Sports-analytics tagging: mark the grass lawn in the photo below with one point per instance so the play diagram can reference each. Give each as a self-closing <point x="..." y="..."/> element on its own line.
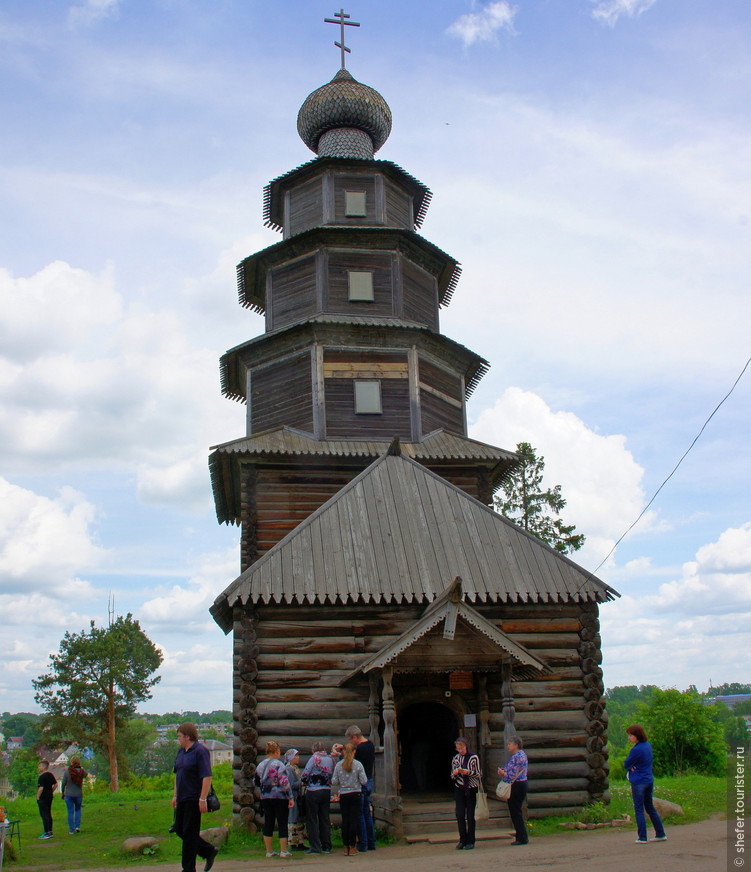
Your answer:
<point x="700" y="796"/>
<point x="108" y="819"/>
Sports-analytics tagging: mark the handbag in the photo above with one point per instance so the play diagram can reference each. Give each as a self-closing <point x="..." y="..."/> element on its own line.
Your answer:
<point x="503" y="790"/>
<point x="212" y="801"/>
<point x="481" y="808"/>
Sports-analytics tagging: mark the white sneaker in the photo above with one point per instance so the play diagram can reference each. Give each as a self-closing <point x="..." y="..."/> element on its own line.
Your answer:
<point x="286" y="854"/>
<point x="271" y="854"/>
<point x="659" y="839"/>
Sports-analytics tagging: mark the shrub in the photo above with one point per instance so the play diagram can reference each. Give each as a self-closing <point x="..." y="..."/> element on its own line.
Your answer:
<point x="684" y="734"/>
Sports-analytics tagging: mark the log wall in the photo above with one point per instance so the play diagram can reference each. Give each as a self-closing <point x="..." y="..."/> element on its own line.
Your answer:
<point x="289" y="661"/>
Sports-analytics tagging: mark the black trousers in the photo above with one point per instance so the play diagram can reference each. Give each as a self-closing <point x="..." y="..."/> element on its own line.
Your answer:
<point x="350" y="804"/>
<point x="188" y="827"/>
<point x="465" y="814"/>
<point x="45" y="810"/>
<point x="275" y="810"/>
<point x="317" y="804"/>
<point x="515" y="803"/>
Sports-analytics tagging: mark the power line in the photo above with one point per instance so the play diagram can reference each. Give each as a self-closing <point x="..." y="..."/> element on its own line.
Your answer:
<point x="673" y="471"/>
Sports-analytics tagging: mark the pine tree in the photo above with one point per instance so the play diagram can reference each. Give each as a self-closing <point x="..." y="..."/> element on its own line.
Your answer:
<point x="95" y="683"/>
<point x="523" y="501"/>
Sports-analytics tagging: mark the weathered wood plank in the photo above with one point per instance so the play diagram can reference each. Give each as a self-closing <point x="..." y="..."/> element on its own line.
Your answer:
<point x="311" y="711"/>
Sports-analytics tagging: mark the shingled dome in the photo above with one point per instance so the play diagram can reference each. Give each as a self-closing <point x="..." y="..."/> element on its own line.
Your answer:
<point x="344" y="118"/>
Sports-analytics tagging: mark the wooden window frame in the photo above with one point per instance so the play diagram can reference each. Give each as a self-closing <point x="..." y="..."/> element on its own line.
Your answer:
<point x="365" y="293"/>
<point x="352" y="207"/>
<point x="362" y="398"/>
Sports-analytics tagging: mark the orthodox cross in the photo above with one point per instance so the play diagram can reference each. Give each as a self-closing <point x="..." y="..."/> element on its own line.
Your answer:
<point x="341" y="15"/>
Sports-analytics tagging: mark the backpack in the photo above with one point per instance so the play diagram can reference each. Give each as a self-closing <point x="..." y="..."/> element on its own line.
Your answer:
<point x="272" y="776"/>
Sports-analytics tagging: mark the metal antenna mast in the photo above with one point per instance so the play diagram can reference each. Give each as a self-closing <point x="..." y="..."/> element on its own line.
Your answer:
<point x="339" y="18"/>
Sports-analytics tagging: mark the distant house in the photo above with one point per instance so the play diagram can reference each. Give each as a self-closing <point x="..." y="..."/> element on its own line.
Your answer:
<point x="15" y="743"/>
<point x="220" y="752"/>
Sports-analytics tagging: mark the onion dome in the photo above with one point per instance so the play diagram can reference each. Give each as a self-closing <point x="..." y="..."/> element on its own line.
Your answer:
<point x="344" y="118"/>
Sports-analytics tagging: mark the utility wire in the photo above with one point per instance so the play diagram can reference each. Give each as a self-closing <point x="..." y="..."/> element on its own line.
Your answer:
<point x="673" y="471"/>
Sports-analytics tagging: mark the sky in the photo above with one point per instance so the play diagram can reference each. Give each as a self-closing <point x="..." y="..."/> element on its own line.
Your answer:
<point x="590" y="162"/>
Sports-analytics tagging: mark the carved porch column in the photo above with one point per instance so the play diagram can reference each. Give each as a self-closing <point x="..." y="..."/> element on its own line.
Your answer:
<point x="507" y="702"/>
<point x="374" y="713"/>
<point x="391" y="786"/>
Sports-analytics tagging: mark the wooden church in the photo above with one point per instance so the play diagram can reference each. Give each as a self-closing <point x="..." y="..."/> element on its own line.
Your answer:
<point x="377" y="586"/>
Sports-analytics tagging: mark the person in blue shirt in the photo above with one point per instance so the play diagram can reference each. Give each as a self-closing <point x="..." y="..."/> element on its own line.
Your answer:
<point x="515" y="773"/>
<point x="638" y="767"/>
<point x="192" y="785"/>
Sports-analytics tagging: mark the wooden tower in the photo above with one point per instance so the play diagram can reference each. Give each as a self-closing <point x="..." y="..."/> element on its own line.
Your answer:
<point x="377" y="586"/>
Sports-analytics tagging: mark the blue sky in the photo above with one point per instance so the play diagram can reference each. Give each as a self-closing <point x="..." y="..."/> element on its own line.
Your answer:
<point x="590" y="164"/>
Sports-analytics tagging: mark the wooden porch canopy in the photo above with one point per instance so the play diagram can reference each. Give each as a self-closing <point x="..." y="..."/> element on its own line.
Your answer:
<point x="468" y="640"/>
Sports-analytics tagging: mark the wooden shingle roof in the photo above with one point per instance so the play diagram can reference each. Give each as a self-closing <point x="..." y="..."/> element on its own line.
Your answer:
<point x="439" y="446"/>
<point x="398" y="533"/>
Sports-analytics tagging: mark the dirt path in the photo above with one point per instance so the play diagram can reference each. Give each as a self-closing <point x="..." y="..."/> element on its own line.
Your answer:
<point x="697" y="847"/>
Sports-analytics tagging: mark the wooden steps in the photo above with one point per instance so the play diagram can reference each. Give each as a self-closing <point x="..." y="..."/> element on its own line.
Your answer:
<point x="431" y="818"/>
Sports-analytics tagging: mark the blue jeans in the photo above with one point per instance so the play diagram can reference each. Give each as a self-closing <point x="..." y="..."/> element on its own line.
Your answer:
<point x="74" y="804"/>
<point x="365" y="826"/>
<point x="642" y="796"/>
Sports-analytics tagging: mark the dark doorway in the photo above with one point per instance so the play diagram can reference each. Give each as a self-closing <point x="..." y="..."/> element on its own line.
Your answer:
<point x="426" y="745"/>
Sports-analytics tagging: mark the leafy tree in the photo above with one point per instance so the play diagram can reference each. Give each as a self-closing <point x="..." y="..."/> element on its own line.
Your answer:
<point x="736" y="731"/>
<point x="523" y="501"/>
<point x="728" y="689"/>
<point x="95" y="683"/>
<point x="23" y="724"/>
<point x="158" y="758"/>
<point x="23" y="772"/>
<point x="623" y="710"/>
<point x="742" y="708"/>
<point x="684" y="733"/>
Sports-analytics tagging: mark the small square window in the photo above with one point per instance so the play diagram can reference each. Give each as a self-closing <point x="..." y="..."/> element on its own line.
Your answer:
<point x="368" y="398"/>
<point x="354" y="204"/>
<point x="360" y="285"/>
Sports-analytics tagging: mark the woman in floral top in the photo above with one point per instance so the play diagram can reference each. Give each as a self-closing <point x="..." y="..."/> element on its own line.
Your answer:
<point x="276" y="798"/>
<point x="516" y="774"/>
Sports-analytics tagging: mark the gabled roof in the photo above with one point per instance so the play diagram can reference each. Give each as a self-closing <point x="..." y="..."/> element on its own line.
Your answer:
<point x="448" y="609"/>
<point x="397" y="533"/>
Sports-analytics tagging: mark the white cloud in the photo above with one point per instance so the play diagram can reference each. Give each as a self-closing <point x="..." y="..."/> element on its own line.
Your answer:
<point x="701" y="619"/>
<point x="598" y="475"/>
<point x="186" y="606"/>
<point x="609" y="11"/>
<point x="86" y="379"/>
<point x="57" y="308"/>
<point x="483" y="26"/>
<point x="45" y="542"/>
<point x="91" y="11"/>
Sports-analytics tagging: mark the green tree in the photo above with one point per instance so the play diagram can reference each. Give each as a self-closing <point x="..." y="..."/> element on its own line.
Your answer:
<point x="24" y="724"/>
<point x="736" y="731"/>
<point x="95" y="683"/>
<point x="22" y="772"/>
<point x="684" y="733"/>
<point x="524" y="501"/>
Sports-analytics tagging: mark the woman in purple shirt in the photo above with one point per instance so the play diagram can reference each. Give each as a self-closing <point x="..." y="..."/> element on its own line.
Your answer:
<point x="516" y="774"/>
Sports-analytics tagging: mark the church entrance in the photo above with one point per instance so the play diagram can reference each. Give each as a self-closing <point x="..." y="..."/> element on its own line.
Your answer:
<point x="427" y="731"/>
